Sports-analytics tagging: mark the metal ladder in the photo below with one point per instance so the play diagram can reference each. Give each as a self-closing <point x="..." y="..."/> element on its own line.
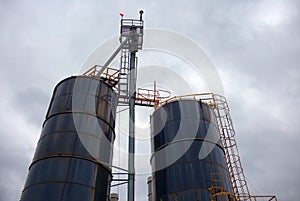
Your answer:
<point x="217" y="189"/>
<point x="123" y="85"/>
<point x="216" y="180"/>
<point x="236" y="173"/>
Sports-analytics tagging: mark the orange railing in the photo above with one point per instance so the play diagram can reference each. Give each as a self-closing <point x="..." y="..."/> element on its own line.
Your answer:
<point x="107" y="73"/>
<point x="152" y="97"/>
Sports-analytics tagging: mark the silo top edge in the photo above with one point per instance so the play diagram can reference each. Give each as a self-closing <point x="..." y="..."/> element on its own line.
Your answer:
<point x="205" y="98"/>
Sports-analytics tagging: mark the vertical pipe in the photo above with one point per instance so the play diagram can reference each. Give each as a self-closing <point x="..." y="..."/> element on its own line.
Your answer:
<point x="149" y="182"/>
<point x="131" y="140"/>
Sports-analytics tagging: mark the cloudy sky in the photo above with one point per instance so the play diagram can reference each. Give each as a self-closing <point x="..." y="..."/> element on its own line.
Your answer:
<point x="254" y="44"/>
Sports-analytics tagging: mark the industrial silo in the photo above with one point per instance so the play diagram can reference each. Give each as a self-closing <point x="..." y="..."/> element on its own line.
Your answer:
<point x="74" y="153"/>
<point x="188" y="160"/>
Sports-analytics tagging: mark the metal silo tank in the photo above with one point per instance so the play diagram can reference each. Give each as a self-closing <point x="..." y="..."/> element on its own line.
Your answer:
<point x="188" y="161"/>
<point x="74" y="153"/>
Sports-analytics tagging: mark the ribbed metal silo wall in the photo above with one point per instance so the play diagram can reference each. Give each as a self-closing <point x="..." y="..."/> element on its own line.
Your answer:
<point x="187" y="156"/>
<point x="74" y="153"/>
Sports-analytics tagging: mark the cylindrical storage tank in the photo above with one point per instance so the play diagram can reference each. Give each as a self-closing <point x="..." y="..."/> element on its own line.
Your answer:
<point x="74" y="153"/>
<point x="188" y="160"/>
<point x="114" y="197"/>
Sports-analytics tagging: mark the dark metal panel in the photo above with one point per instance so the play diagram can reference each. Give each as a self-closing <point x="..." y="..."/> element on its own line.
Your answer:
<point x="48" y="170"/>
<point x="94" y="86"/>
<point x="59" y="123"/>
<point x="49" y="191"/>
<point x="64" y="87"/>
<point x="169" y="118"/>
<point x="80" y="94"/>
<point x="74" y="179"/>
<point x="94" y="126"/>
<point x="189" y="172"/>
<point x="84" y="172"/>
<point x="91" y="103"/>
<point x="77" y="192"/>
<point x="55" y="144"/>
<point x="81" y="85"/>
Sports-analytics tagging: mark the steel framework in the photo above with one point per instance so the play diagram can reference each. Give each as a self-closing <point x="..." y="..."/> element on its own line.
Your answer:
<point x="123" y="80"/>
<point x="218" y="103"/>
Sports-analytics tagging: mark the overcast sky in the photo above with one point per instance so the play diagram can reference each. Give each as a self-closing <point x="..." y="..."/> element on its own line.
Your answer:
<point x="254" y="44"/>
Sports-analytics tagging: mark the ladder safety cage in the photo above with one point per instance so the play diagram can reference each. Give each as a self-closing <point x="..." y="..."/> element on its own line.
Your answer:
<point x="134" y="31"/>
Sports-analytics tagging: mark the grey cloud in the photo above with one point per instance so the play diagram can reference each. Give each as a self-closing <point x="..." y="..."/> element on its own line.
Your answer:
<point x="35" y="107"/>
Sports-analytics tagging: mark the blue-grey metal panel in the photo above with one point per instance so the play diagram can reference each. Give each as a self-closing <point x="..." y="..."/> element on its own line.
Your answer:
<point x="73" y="159"/>
<point x="99" y="99"/>
<point x="188" y="177"/>
<point x="45" y="191"/>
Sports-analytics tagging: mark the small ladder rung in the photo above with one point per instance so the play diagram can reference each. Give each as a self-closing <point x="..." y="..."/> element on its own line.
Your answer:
<point x="217" y="180"/>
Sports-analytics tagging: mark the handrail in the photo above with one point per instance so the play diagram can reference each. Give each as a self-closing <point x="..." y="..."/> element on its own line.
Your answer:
<point x="205" y="97"/>
<point x="108" y="73"/>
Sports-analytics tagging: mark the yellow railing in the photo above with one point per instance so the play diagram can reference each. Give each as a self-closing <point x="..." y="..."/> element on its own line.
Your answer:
<point x="106" y="72"/>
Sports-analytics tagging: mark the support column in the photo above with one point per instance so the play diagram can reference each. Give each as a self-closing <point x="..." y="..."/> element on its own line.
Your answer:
<point x="131" y="138"/>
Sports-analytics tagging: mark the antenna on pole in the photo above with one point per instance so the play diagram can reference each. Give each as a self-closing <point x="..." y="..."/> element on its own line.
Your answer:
<point x="141" y="15"/>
